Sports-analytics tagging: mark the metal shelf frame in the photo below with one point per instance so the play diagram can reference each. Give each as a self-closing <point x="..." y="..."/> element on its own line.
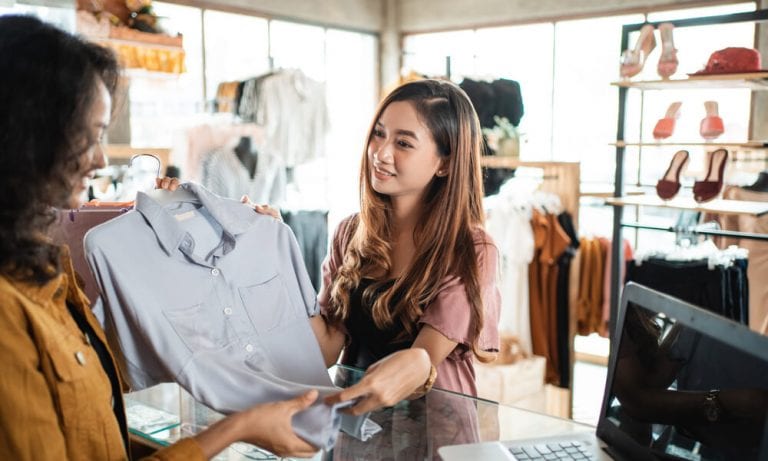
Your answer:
<point x="618" y="210"/>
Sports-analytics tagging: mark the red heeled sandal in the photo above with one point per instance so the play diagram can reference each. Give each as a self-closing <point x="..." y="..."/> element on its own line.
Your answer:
<point x="666" y="125"/>
<point x="669" y="185"/>
<point x="710" y="187"/>
<point x="711" y="125"/>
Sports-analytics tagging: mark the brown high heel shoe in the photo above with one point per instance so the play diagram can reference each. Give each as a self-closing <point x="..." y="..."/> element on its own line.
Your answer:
<point x="669" y="185"/>
<point x="706" y="190"/>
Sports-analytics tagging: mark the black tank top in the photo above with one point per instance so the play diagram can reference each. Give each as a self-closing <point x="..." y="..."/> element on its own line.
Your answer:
<point x="369" y="343"/>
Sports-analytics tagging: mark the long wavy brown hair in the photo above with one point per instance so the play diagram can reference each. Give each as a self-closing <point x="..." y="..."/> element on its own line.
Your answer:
<point x="446" y="234"/>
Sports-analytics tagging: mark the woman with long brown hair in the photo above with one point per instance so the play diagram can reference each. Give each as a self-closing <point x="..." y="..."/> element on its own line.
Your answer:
<point x="409" y="287"/>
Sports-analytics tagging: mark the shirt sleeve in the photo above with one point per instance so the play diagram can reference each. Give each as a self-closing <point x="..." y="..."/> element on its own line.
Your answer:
<point x="27" y="413"/>
<point x="450" y="312"/>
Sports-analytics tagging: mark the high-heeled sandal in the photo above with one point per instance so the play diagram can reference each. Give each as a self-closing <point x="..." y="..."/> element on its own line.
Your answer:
<point x="669" y="184"/>
<point x="666" y="125"/>
<point x="710" y="187"/>
<point x="711" y="125"/>
<point x="668" y="59"/>
<point x="632" y="60"/>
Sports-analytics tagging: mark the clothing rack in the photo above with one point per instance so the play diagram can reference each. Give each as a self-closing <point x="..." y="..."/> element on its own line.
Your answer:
<point x="566" y="185"/>
<point x="695" y="230"/>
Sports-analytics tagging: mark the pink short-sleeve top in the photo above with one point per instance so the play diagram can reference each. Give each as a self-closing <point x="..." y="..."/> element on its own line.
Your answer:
<point x="448" y="313"/>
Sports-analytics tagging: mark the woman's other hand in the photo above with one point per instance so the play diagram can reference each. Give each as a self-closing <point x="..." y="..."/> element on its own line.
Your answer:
<point x="166" y="183"/>
<point x="262" y="209"/>
<point x="267" y="426"/>
<point x="387" y="381"/>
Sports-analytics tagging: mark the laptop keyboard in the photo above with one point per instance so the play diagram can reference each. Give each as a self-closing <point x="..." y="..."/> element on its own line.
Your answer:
<point x="553" y="451"/>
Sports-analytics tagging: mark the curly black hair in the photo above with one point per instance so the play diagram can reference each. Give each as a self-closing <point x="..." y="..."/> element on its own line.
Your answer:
<point x="48" y="81"/>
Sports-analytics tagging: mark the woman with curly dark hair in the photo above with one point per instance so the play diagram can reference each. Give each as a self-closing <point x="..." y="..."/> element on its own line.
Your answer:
<point x="60" y="393"/>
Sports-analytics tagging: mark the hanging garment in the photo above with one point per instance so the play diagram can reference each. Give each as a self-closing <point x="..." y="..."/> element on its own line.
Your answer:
<point x="509" y="100"/>
<point x="311" y="230"/>
<point x="603" y="328"/>
<point x="70" y="228"/>
<point x="719" y="289"/>
<point x="482" y="96"/>
<point x="591" y="276"/>
<point x="192" y="144"/>
<point x="563" y="307"/>
<point x="207" y="293"/>
<point x="292" y="109"/>
<point x="758" y="253"/>
<point x="226" y="96"/>
<point x="509" y="223"/>
<point x="249" y="100"/>
<point x="225" y="175"/>
<point x="501" y="97"/>
<point x="550" y="242"/>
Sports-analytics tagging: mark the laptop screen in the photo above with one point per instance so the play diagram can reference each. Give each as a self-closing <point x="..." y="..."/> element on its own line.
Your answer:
<point x="684" y="383"/>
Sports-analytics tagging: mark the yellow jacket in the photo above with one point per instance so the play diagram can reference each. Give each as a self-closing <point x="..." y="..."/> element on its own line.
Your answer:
<point x="55" y="398"/>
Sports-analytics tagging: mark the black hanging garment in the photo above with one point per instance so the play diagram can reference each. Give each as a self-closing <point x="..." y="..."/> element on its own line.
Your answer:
<point x="722" y="290"/>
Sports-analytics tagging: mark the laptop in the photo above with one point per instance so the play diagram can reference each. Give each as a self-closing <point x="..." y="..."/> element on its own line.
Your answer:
<point x="682" y="384"/>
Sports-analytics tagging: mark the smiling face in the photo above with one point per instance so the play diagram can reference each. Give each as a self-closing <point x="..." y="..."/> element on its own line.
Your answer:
<point x="402" y="153"/>
<point x="93" y="157"/>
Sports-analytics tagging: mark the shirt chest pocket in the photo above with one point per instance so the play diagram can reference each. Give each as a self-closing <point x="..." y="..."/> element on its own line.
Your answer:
<point x="199" y="328"/>
<point x="81" y="387"/>
<point x="268" y="305"/>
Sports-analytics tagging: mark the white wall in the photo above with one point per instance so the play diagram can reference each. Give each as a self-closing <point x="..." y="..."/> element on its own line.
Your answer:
<point x="430" y="15"/>
<point x="362" y="15"/>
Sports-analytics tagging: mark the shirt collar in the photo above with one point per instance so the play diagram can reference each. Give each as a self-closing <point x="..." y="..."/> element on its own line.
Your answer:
<point x="233" y="217"/>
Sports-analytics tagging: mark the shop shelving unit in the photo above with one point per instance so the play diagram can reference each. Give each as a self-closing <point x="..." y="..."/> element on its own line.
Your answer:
<point x="756" y="81"/>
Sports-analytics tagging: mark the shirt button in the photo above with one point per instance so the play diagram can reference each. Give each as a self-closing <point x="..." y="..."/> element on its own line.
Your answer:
<point x="227" y="311"/>
<point x="214" y="272"/>
<point x="249" y="347"/>
<point x="80" y="357"/>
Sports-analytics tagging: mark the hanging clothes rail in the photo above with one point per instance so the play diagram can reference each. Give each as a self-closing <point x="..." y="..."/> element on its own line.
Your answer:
<point x="695" y="231"/>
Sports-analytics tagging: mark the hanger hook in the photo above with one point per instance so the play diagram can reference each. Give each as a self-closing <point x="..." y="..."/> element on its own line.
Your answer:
<point x="157" y="159"/>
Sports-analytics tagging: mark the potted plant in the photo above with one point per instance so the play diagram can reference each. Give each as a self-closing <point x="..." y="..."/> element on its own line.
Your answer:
<point x="503" y="138"/>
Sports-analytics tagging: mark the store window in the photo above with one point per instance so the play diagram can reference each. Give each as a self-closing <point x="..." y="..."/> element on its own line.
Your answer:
<point x="159" y="103"/>
<point x="352" y="96"/>
<point x="236" y="48"/>
<point x="298" y="46"/>
<point x="61" y="14"/>
<point x="565" y="70"/>
<point x="531" y="65"/>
